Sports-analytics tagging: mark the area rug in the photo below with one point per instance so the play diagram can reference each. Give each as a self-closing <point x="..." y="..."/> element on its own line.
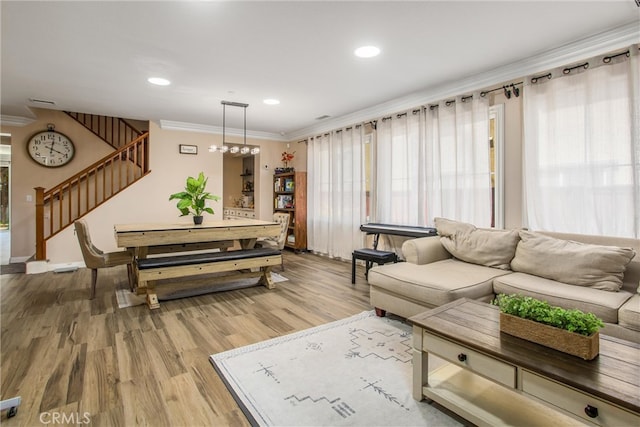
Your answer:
<point x="126" y="298"/>
<point x="352" y="372"/>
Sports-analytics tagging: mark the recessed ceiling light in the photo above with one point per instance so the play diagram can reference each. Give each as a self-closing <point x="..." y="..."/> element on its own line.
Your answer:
<point x="158" y="81"/>
<point x="271" y="101"/>
<point x="367" y="52"/>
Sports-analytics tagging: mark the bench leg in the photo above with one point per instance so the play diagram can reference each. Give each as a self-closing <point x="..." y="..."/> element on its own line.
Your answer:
<point x="266" y="279"/>
<point x="353" y="269"/>
<point x="152" y="298"/>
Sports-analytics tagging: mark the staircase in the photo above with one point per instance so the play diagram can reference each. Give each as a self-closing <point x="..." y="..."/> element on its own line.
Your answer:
<point x="59" y="206"/>
<point x="115" y="131"/>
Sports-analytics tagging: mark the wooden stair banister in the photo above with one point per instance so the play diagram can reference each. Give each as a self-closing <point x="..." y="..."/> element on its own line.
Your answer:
<point x="81" y="193"/>
<point x="115" y="131"/>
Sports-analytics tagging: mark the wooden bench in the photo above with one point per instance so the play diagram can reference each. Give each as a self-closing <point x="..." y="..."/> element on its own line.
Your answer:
<point x="149" y="270"/>
<point x="370" y="256"/>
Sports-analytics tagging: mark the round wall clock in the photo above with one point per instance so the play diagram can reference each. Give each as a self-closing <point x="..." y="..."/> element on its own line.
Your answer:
<point x="50" y="148"/>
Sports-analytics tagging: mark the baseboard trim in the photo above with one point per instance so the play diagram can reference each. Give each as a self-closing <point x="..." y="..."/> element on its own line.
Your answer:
<point x="37" y="267"/>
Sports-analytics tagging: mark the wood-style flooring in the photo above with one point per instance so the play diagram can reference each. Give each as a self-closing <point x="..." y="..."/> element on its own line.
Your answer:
<point x="68" y="356"/>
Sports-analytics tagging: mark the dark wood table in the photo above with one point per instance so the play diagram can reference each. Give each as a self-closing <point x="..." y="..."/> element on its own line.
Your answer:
<point x="489" y="372"/>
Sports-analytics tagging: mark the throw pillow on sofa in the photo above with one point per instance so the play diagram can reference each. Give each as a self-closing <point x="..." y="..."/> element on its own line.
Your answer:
<point x="488" y="247"/>
<point x="575" y="263"/>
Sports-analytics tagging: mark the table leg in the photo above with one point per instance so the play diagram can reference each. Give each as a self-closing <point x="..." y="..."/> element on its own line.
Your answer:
<point x="266" y="279"/>
<point x="420" y="365"/>
<point x="248" y="243"/>
<point x="152" y="298"/>
<point x="139" y="253"/>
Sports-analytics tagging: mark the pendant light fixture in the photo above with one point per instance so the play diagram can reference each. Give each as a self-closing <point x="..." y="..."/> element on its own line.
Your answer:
<point x="234" y="149"/>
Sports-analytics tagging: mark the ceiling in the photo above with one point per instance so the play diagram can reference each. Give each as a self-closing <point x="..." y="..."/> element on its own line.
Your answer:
<point x="95" y="57"/>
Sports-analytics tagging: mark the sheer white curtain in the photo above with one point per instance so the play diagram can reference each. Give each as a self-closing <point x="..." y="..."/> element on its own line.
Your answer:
<point x="457" y="170"/>
<point x="336" y="192"/>
<point x="399" y="170"/>
<point x="582" y="150"/>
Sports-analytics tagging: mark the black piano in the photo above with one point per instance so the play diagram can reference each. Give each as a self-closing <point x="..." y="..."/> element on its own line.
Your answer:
<point x="396" y="230"/>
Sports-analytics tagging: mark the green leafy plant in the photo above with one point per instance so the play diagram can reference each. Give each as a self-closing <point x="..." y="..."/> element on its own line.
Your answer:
<point x="193" y="199"/>
<point x="540" y="311"/>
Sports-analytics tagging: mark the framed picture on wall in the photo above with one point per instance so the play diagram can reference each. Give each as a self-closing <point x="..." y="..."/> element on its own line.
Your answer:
<point x="188" y="149"/>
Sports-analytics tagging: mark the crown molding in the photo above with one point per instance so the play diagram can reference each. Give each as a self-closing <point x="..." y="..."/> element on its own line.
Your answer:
<point x="217" y="130"/>
<point x="601" y="43"/>
<point x="15" y="120"/>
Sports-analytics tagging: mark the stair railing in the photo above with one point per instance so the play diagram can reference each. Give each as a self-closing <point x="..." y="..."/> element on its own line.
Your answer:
<point x="61" y="205"/>
<point x="115" y="131"/>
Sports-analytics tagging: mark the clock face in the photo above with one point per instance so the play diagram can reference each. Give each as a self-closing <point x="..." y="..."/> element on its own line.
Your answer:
<point x="51" y="149"/>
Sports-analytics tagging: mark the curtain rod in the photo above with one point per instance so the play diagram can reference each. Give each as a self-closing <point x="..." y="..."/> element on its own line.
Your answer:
<point x="536" y="78"/>
<point x="608" y="59"/>
<point x="570" y="69"/>
<point x="512" y="85"/>
<point x="585" y="65"/>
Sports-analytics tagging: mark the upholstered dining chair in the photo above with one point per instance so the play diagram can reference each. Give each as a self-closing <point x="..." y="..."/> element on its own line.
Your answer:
<point x="94" y="258"/>
<point x="278" y="242"/>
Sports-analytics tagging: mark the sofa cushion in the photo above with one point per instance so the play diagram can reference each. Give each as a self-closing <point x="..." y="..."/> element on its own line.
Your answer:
<point x="575" y="263"/>
<point x="436" y="283"/>
<point x="603" y="304"/>
<point x="629" y="313"/>
<point x="488" y="247"/>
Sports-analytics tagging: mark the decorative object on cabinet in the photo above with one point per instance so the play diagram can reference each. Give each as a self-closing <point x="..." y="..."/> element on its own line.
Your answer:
<point x="290" y="195"/>
<point x="194" y="197"/>
<point x="286" y="158"/>
<point x="188" y="149"/>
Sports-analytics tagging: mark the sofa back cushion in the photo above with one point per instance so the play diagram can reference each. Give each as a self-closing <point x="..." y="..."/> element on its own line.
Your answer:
<point x="575" y="263"/>
<point x="488" y="247"/>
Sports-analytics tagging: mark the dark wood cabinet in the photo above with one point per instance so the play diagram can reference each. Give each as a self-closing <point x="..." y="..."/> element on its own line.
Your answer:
<point x="290" y="195"/>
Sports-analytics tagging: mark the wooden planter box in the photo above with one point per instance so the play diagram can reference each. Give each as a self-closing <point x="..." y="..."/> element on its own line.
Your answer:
<point x="586" y="347"/>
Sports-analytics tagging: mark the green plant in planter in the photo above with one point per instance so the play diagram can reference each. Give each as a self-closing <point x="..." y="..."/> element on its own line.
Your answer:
<point x="193" y="199"/>
<point x="540" y="311"/>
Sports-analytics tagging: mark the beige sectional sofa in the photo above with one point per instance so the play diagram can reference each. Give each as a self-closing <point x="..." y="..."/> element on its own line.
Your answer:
<point x="595" y="274"/>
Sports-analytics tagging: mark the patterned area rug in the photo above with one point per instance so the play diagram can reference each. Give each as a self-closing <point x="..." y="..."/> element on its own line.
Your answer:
<point x="353" y="372"/>
<point x="126" y="298"/>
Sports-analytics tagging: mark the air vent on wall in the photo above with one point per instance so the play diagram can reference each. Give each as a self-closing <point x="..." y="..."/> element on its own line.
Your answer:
<point x="42" y="101"/>
<point x="322" y="117"/>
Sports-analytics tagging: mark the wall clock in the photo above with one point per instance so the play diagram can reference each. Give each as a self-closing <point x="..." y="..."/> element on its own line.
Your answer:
<point x="50" y="148"/>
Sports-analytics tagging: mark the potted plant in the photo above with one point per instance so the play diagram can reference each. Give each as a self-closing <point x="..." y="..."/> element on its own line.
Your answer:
<point x="193" y="199"/>
<point x="570" y="331"/>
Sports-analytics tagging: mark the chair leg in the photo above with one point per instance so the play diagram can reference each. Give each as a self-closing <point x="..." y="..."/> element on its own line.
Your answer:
<point x="94" y="279"/>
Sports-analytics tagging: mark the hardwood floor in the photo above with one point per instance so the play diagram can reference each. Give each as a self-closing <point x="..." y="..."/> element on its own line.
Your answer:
<point x="90" y="361"/>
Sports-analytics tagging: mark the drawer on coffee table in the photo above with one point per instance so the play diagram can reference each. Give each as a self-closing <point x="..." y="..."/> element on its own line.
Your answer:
<point x="576" y="402"/>
<point x="479" y="363"/>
